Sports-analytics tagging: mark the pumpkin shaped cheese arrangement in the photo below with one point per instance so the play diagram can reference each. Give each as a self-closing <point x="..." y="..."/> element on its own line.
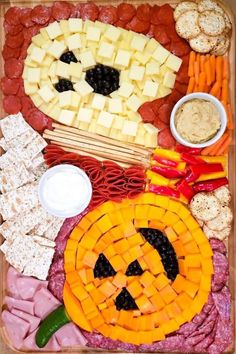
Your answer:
<point x="142" y="265"/>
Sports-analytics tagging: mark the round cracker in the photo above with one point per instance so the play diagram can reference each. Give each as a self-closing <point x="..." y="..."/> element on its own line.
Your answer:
<point x="223" y="195"/>
<point x="205" y="5"/>
<point x="183" y="7"/>
<point x="211" y="23"/>
<point x="222" y="45"/>
<point x="187" y="24"/>
<point x="205" y="206"/>
<point x="220" y="235"/>
<point x="222" y="221"/>
<point x="228" y="24"/>
<point x="203" y="43"/>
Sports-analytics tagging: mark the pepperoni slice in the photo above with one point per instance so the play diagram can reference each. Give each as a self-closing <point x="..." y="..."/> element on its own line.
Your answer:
<point x="120" y="24"/>
<point x="155" y="15"/>
<point x="75" y="11"/>
<point x="38" y="120"/>
<point x="147" y="113"/>
<point x="108" y="14"/>
<point x="160" y="34"/>
<point x="165" y="112"/>
<point x="182" y="88"/>
<point x="8" y="52"/>
<point x="151" y="31"/>
<point x="159" y="124"/>
<point x="182" y="76"/>
<point x="26" y="104"/>
<point x="126" y="12"/>
<point x="12" y="16"/>
<point x="12" y="30"/>
<point x="9" y="86"/>
<point x="11" y="104"/>
<point x="156" y="104"/>
<point x="41" y="14"/>
<point x="30" y="32"/>
<point x="165" y="139"/>
<point x="144" y="12"/>
<point x="14" y="41"/>
<point x="138" y="26"/>
<point x="172" y="34"/>
<point x="25" y="17"/>
<point x="175" y="96"/>
<point x="180" y="48"/>
<point x="23" y="50"/>
<point x="89" y="11"/>
<point x="61" y="10"/>
<point x="13" y="68"/>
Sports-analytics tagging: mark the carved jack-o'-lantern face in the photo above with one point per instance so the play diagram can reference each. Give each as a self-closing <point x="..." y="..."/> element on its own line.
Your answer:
<point x="143" y="266"/>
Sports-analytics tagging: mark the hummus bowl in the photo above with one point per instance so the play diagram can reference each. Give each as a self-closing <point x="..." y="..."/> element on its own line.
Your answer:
<point x="207" y="130"/>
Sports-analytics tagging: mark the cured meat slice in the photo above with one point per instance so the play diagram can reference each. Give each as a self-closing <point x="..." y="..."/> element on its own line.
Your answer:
<point x="12" y="30"/>
<point x="13" y="68"/>
<point x="41" y="14"/>
<point x="11" y="104"/>
<point x="44" y="303"/>
<point x="9" y="86"/>
<point x="89" y="11"/>
<point x="26" y="306"/>
<point x="27" y="287"/>
<point x="12" y="16"/>
<point x="144" y="12"/>
<point x="8" y="52"/>
<point x="32" y="320"/>
<point x="69" y="336"/>
<point x="147" y="113"/>
<point x="125" y="12"/>
<point x="61" y="10"/>
<point x="25" y="17"/>
<point x="108" y="14"/>
<point x="14" y="41"/>
<point x="16" y="327"/>
<point x="165" y="139"/>
<point x="138" y="26"/>
<point x="52" y="345"/>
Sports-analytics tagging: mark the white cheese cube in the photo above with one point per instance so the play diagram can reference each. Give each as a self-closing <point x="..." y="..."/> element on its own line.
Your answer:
<point x="75" y="70"/>
<point x="75" y="24"/>
<point x="115" y="105"/>
<point x="30" y="48"/>
<point x="123" y="57"/>
<point x="83" y="126"/>
<point x="48" y="60"/>
<point x="161" y="54"/>
<point x="150" y="88"/>
<point x="124" y="45"/>
<point x="163" y="91"/>
<point x="152" y="45"/>
<point x="87" y="59"/>
<point x="106" y="50"/>
<point x="112" y="33"/>
<point x="129" y="128"/>
<point x="173" y="62"/>
<point x="56" y="49"/>
<point x="52" y="69"/>
<point x="93" y="34"/>
<point x="93" y="126"/>
<point x="124" y="76"/>
<point x="44" y="34"/>
<point x="133" y="103"/>
<point x="64" y="26"/>
<point x="85" y="115"/>
<point x="134" y="116"/>
<point x="36" y="99"/>
<point x="118" y="123"/>
<point x="138" y="42"/>
<point x="54" y="30"/>
<point x="30" y="62"/>
<point x="87" y="24"/>
<point x="55" y="113"/>
<point x="46" y="93"/>
<point x="169" y="80"/>
<point x="105" y="119"/>
<point x="164" y="70"/>
<point x="98" y="102"/>
<point x="150" y="140"/>
<point x="33" y="75"/>
<point x="62" y="69"/>
<point x="30" y="88"/>
<point x="75" y="100"/>
<point x="114" y="94"/>
<point x="142" y="57"/>
<point x="39" y="40"/>
<point x="150" y="129"/>
<point x="66" y="117"/>
<point x="83" y="88"/>
<point x="152" y="68"/>
<point x="74" y="41"/>
<point x="64" y="99"/>
<point x="113" y="133"/>
<point x="44" y="73"/>
<point x="136" y="72"/>
<point x="102" y="26"/>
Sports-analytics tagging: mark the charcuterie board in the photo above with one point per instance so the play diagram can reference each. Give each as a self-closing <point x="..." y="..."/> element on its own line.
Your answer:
<point x="165" y="183"/>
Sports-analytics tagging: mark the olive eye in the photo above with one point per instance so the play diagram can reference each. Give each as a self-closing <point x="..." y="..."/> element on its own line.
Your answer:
<point x="124" y="301"/>
<point x="134" y="268"/>
<point x="103" y="268"/>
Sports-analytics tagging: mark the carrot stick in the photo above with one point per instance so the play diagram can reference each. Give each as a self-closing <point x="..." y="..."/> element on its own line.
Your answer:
<point x="208" y="150"/>
<point x="225" y="145"/>
<point x="202" y="62"/>
<point x="226" y="67"/>
<point x="219" y="69"/>
<point x="218" y="95"/>
<point x="225" y="91"/>
<point x="213" y="67"/>
<point x="202" y="81"/>
<point x="207" y="66"/>
<point x="218" y="144"/>
<point x="215" y="88"/>
<point x="197" y="69"/>
<point x="191" y="84"/>
<point x="230" y="124"/>
<point x="192" y="58"/>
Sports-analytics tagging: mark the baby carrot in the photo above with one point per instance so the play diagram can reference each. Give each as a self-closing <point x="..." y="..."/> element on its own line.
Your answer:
<point x="215" y="89"/>
<point x="226" y="67"/>
<point x="191" y="85"/>
<point x="208" y="72"/>
<point x="225" y="91"/>
<point x="230" y="124"/>
<point x="225" y="145"/>
<point x="202" y="62"/>
<point x="213" y="67"/>
<point x="219" y="69"/>
<point x="192" y="58"/>
<point x="197" y="69"/>
<point x="202" y="81"/>
<point x="218" y="144"/>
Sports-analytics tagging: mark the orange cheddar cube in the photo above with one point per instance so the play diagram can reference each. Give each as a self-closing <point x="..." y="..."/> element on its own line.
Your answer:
<point x="123" y="318"/>
<point x="121" y="246"/>
<point x="161" y="281"/>
<point x="149" y="291"/>
<point x="158" y="334"/>
<point x="104" y="224"/>
<point x="146" y="248"/>
<point x="205" y="283"/>
<point x="170" y="218"/>
<point x="102" y="306"/>
<point x="162" y="201"/>
<point x="145" y="337"/>
<point x="104" y="329"/>
<point x="153" y="224"/>
<point x="116" y="217"/>
<point x="179" y="284"/>
<point x="145" y="323"/>
<point x="180" y="319"/>
<point x="72" y="277"/>
<point x="88" y="242"/>
<point x="93" y="314"/>
<point x="190" y="288"/>
<point x="142" y="263"/>
<point x="80" y="293"/>
<point x="110" y="251"/>
<point x="128" y="229"/>
<point x="141" y="211"/>
<point x="135" y="239"/>
<point x="183" y="266"/>
<point x="136" y="252"/>
<point x="139" y="223"/>
<point x="127" y="257"/>
<point x="69" y="256"/>
<point x="119" y="280"/>
<point x="180" y="227"/>
<point x="144" y="304"/>
<point x="83" y="275"/>
<point x="168" y="294"/>
<point x="128" y="213"/>
<point x="179" y="248"/>
<point x="185" y="237"/>
<point x="107" y="207"/>
<point x="135" y="289"/>
<point x="146" y="279"/>
<point x="171" y="235"/>
<point x="84" y="224"/>
<point x="90" y="259"/>
<point x="207" y="266"/>
<point x="161" y="317"/>
<point x="173" y="310"/>
<point x="149" y="198"/>
<point x="89" y="275"/>
<point x="174" y="206"/>
<point x="97" y="321"/>
<point x="93" y="215"/>
<point x="191" y="247"/>
<point x="94" y="232"/>
<point x="169" y="326"/>
<point x="69" y="267"/>
<point x="199" y="236"/>
<point x="100" y="246"/>
<point x="76" y="234"/>
<point x="155" y="213"/>
<point x="183" y="212"/>
<point x="107" y="288"/>
<point x="188" y="314"/>
<point x="89" y="287"/>
<point x="117" y="263"/>
<point x="107" y="238"/>
<point x="157" y="301"/>
<point x="116" y="233"/>
<point x="193" y="261"/>
<point x="206" y="250"/>
<point x="154" y="263"/>
<point x="191" y="223"/>
<point x="194" y="274"/>
<point x="183" y="300"/>
<point x="202" y="297"/>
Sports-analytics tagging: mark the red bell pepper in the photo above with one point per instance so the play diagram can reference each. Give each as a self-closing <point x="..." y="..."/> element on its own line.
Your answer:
<point x="184" y="188"/>
<point x="210" y="185"/>
<point x="188" y="150"/>
<point x="191" y="160"/>
<point x="168" y="172"/>
<point x="191" y="176"/>
<point x="206" y="168"/>
<point x="163" y="190"/>
<point x="164" y="161"/>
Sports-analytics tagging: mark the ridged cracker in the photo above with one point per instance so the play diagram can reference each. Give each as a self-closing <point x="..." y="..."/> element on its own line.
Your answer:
<point x="220" y="235"/>
<point x="187" y="24"/>
<point x="211" y="23"/>
<point x="203" y="43"/>
<point x="184" y="6"/>
<point x="205" y="5"/>
<point x="228" y="24"/>
<point x="222" y="221"/>
<point x="205" y="206"/>
<point x="223" y="195"/>
<point x="222" y="45"/>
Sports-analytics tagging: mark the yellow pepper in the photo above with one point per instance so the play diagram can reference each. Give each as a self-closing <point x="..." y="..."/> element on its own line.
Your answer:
<point x="157" y="179"/>
<point x="209" y="176"/>
<point x="168" y="154"/>
<point x="215" y="159"/>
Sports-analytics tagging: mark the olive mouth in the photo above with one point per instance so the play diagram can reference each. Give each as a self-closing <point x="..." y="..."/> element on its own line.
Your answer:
<point x="103" y="79"/>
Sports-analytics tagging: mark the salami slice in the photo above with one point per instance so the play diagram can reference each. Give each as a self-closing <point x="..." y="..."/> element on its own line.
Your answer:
<point x="12" y="30"/>
<point x="181" y="87"/>
<point x="13" y="68"/>
<point x="56" y="285"/>
<point x="156" y="104"/>
<point x="26" y="104"/>
<point x="41" y="14"/>
<point x="126" y="12"/>
<point x="108" y="14"/>
<point x="165" y="139"/>
<point x="166" y="15"/>
<point x="12" y="16"/>
<point x="8" y="52"/>
<point x="61" y="10"/>
<point x="75" y="11"/>
<point x="138" y="26"/>
<point x="144" y="12"/>
<point x="165" y="112"/>
<point x="25" y="18"/>
<point x="218" y="246"/>
<point x="9" y="86"/>
<point x="31" y="32"/>
<point x="89" y="11"/>
<point x="159" y="124"/>
<point x="180" y="48"/>
<point x="146" y="112"/>
<point x="38" y="120"/>
<point x="15" y="41"/>
<point x="155" y="15"/>
<point x="151" y="31"/>
<point x="120" y="24"/>
<point x="23" y="50"/>
<point x="160" y="34"/>
<point x="11" y="104"/>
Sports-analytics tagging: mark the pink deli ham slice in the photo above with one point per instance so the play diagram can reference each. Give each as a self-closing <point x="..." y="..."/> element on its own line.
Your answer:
<point x="52" y="346"/>
<point x="16" y="328"/>
<point x="23" y="305"/>
<point x="32" y="320"/>
<point x="69" y="335"/>
<point x="45" y="303"/>
<point x="28" y="286"/>
<point x="12" y="276"/>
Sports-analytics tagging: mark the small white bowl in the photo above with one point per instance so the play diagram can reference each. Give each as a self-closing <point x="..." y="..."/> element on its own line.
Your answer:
<point x="201" y="96"/>
<point x="57" y="195"/>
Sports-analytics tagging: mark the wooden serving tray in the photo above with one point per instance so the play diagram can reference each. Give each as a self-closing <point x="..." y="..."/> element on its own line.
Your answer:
<point x="5" y="345"/>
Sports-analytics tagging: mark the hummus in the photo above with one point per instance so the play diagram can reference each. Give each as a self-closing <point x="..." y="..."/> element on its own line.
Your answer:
<point x="197" y="121"/>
